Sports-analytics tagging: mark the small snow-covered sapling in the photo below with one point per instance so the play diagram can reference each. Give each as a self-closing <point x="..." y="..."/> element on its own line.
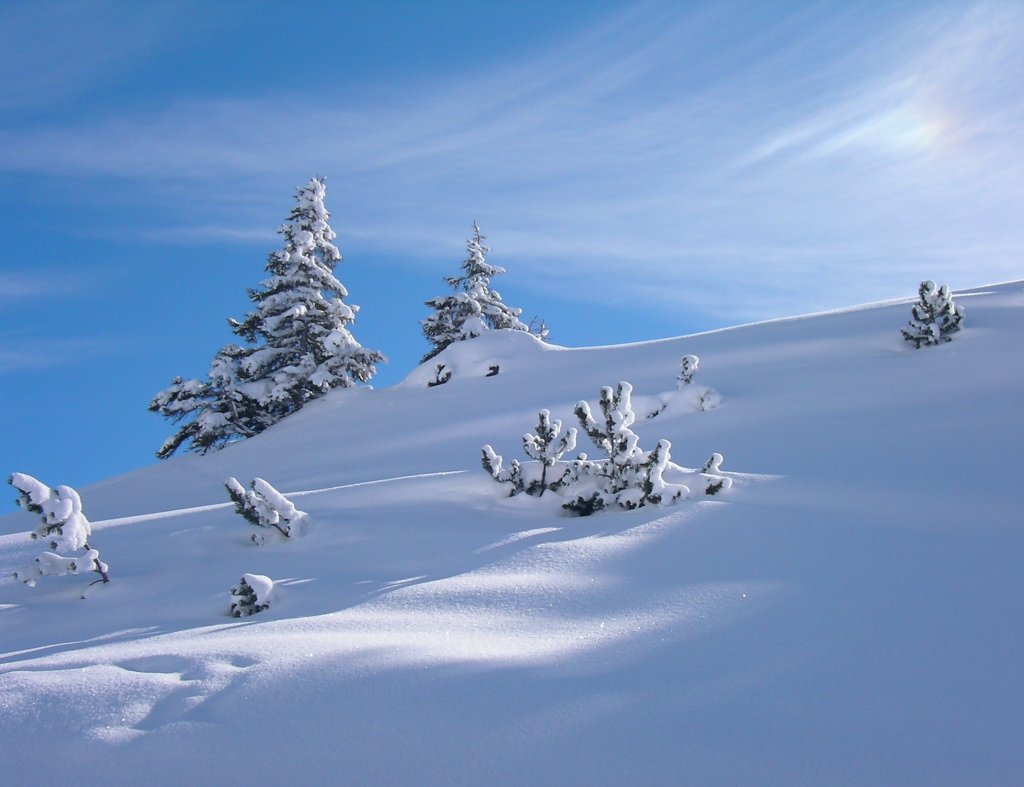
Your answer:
<point x="547" y="444"/>
<point x="934" y="317"/>
<point x="64" y="527"/>
<point x="687" y="369"/>
<point x="251" y="595"/>
<point x="264" y="506"/>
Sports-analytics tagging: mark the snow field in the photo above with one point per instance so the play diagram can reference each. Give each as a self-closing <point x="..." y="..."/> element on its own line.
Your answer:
<point x="846" y="613"/>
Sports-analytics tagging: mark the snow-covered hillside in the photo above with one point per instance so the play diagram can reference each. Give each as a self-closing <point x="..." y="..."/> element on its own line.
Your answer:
<point x="849" y="611"/>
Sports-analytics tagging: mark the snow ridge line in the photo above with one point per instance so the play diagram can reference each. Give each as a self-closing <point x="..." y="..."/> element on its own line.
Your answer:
<point x="132" y="520"/>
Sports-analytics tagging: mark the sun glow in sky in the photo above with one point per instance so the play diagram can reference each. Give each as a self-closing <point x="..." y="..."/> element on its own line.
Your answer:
<point x="641" y="170"/>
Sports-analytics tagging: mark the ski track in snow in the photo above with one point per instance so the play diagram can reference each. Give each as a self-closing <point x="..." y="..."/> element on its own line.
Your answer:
<point x="136" y="519"/>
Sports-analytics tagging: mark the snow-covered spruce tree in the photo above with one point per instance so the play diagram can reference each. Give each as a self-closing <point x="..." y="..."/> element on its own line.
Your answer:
<point x="474" y="307"/>
<point x="630" y="477"/>
<point x="264" y="506"/>
<point x="934" y="318"/>
<point x="64" y="527"/>
<point x="299" y="342"/>
<point x="251" y="595"/>
<point x="546" y="445"/>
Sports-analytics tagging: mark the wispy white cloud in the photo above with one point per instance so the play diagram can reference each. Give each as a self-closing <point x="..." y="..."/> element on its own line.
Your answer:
<point x="22" y="353"/>
<point x="53" y="49"/>
<point x="35" y="285"/>
<point x="661" y="150"/>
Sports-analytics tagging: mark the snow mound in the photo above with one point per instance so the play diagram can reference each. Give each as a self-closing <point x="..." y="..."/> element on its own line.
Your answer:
<point x="506" y="349"/>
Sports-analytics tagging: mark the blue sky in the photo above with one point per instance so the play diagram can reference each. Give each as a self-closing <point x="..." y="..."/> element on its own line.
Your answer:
<point x="641" y="170"/>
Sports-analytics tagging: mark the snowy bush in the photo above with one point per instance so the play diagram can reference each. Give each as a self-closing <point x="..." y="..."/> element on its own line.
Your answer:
<point x="474" y="307"/>
<point x="251" y="595"/>
<point x="713" y="482"/>
<point x="546" y="445"/>
<point x="493" y="463"/>
<point x="63" y="526"/>
<point x="264" y="506"/>
<point x="934" y="317"/>
<point x="687" y="368"/>
<point x="629" y="477"/>
<point x="687" y="397"/>
<point x="299" y="345"/>
<point x="441" y="376"/>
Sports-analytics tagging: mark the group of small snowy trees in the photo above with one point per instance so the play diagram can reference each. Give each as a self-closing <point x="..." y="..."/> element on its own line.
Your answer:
<point x="298" y="343"/>
<point x="628" y="477"/>
<point x="263" y="506"/>
<point x="66" y="529"/>
<point x="297" y="340"/>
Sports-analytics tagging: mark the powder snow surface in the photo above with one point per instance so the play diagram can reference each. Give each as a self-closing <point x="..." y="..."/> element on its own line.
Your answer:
<point x="848" y="612"/>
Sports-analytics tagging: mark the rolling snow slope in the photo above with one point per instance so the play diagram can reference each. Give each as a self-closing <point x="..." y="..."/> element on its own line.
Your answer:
<point x="848" y="612"/>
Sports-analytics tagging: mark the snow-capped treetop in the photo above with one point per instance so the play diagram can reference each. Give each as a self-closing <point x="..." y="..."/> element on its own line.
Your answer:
<point x="547" y="443"/>
<point x="615" y="437"/>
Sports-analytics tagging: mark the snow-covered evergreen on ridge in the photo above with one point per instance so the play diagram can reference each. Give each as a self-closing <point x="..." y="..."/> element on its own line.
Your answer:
<point x="846" y="613"/>
<point x="474" y="307"/>
<point x="299" y="345"/>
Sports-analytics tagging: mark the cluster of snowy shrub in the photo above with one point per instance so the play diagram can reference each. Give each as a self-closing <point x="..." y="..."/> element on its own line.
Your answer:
<point x="627" y="477"/>
<point x="297" y="340"/>
<point x="64" y="527"/>
<point x="261" y="505"/>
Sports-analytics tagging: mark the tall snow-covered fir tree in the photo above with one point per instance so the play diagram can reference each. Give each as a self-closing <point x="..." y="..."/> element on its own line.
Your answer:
<point x="303" y="347"/>
<point x="299" y="343"/>
<point x="474" y="307"/>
